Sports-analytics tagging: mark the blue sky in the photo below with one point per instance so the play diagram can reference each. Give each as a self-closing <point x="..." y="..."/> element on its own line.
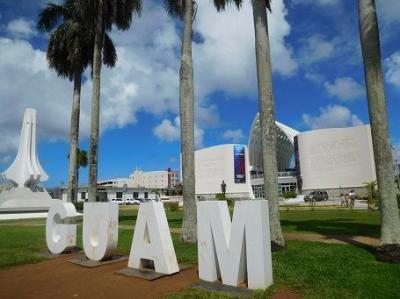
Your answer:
<point x="318" y="81"/>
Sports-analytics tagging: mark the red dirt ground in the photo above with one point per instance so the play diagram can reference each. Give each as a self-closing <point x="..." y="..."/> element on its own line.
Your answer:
<point x="58" y="278"/>
<point x="285" y="294"/>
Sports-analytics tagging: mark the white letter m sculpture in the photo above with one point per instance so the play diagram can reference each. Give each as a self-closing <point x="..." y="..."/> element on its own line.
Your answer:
<point x="231" y="250"/>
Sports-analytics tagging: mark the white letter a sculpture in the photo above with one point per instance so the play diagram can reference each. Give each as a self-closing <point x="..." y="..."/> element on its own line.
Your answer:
<point x="22" y="192"/>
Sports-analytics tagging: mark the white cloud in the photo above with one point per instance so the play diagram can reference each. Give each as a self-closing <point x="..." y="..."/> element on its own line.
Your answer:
<point x="225" y="60"/>
<point x="345" y="89"/>
<point x="169" y="131"/>
<point x="21" y="28"/>
<point x="332" y="116"/>
<point x="145" y="77"/>
<point x="388" y="10"/>
<point x="316" y="48"/>
<point x="393" y="69"/>
<point x="236" y="136"/>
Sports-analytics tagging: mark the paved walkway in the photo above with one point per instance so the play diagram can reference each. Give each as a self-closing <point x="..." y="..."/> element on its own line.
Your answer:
<point x="337" y="239"/>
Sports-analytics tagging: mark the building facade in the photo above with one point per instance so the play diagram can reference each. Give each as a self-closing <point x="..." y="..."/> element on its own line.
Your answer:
<point x="336" y="159"/>
<point x="287" y="180"/>
<point x="139" y="185"/>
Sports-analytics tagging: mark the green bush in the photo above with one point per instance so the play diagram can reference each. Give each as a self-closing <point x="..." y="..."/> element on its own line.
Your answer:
<point x="398" y="200"/>
<point x="290" y="194"/>
<point x="221" y="196"/>
<point x="79" y="206"/>
<point x="171" y="206"/>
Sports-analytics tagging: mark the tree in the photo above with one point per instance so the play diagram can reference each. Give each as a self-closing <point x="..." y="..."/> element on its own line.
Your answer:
<point x="69" y="52"/>
<point x="81" y="161"/>
<point x="372" y="191"/>
<point x="267" y="112"/>
<point x="370" y="45"/>
<point x="185" y="10"/>
<point x="103" y="15"/>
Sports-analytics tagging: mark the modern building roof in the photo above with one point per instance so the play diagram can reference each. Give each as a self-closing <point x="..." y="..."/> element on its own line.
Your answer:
<point x="285" y="145"/>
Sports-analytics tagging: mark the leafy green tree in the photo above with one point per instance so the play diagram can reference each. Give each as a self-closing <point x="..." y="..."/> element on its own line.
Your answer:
<point x="370" y="45"/>
<point x="267" y="111"/>
<point x="69" y="52"/>
<point x="102" y="15"/>
<point x="372" y="191"/>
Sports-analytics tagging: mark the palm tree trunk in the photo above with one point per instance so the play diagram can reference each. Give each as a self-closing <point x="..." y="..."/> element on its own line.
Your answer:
<point x="74" y="138"/>
<point x="369" y="33"/>
<point x="186" y="108"/>
<point x="267" y="119"/>
<point x="95" y="109"/>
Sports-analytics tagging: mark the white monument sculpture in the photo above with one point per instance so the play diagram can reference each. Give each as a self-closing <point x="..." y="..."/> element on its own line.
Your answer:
<point x="152" y="240"/>
<point x="60" y="229"/>
<point x="238" y="250"/>
<point x="100" y="230"/>
<point x="25" y="174"/>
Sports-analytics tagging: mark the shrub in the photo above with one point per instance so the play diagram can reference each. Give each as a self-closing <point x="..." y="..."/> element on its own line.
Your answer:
<point x="221" y="196"/>
<point x="290" y="194"/>
<point x="171" y="206"/>
<point x="79" y="205"/>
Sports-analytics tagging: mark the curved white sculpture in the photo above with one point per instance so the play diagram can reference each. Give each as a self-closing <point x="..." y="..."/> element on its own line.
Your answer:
<point x="61" y="235"/>
<point x="25" y="173"/>
<point x="100" y="230"/>
<point x="26" y="169"/>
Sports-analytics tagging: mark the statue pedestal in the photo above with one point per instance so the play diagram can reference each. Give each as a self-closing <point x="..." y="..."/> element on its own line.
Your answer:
<point x="22" y="199"/>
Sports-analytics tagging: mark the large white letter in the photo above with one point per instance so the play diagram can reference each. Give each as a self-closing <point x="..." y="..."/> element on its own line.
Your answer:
<point x="60" y="235"/>
<point x="100" y="229"/>
<point x="152" y="240"/>
<point x="230" y="250"/>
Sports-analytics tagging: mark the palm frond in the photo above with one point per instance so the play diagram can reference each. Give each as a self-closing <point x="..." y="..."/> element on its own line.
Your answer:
<point x="175" y="8"/>
<point x="109" y="52"/>
<point x="51" y="16"/>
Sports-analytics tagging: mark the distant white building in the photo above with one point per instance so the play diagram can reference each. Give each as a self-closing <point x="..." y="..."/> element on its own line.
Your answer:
<point x="139" y="185"/>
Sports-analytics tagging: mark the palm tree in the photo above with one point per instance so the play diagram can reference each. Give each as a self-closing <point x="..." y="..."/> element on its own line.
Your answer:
<point x="185" y="10"/>
<point x="103" y="15"/>
<point x="267" y="112"/>
<point x="69" y="52"/>
<point x="370" y="44"/>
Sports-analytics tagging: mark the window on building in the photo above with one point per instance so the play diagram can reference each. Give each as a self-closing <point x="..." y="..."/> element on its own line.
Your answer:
<point x="119" y="195"/>
<point x="135" y="195"/>
<point x="83" y="195"/>
<point x="146" y="195"/>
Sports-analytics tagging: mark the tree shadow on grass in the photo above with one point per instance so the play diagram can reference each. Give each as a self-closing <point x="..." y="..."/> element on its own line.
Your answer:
<point x="340" y="229"/>
<point x="333" y="227"/>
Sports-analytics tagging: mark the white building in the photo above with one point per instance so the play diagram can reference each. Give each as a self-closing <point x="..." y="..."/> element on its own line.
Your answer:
<point x="228" y="163"/>
<point x="336" y="160"/>
<point x="139" y="185"/>
<point x="287" y="180"/>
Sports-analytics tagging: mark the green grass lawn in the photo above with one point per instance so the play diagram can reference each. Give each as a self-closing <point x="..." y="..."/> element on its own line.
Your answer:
<point x="314" y="270"/>
<point x="332" y="222"/>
